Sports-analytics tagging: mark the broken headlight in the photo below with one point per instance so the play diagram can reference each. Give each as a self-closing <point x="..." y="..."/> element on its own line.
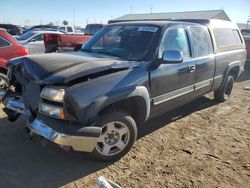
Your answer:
<point x="53" y="94"/>
<point x="51" y="110"/>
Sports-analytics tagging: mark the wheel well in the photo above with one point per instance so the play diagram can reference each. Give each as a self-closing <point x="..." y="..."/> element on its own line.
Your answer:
<point x="234" y="72"/>
<point x="77" y="48"/>
<point x="134" y="106"/>
<point x="3" y="70"/>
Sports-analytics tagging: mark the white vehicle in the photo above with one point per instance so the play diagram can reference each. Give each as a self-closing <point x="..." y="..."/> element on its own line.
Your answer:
<point x="33" y="40"/>
<point x="66" y="28"/>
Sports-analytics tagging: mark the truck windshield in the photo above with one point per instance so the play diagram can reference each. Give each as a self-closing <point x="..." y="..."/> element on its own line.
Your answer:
<point x="130" y="42"/>
<point x="26" y="35"/>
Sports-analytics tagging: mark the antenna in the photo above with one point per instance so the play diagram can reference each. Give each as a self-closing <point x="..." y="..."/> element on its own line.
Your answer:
<point x="74" y="17"/>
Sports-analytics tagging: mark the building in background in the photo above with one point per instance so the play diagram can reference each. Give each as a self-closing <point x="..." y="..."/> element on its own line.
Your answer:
<point x="205" y="14"/>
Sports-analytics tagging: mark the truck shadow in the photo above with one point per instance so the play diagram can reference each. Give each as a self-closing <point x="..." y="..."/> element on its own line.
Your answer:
<point x="171" y="116"/>
<point x="26" y="163"/>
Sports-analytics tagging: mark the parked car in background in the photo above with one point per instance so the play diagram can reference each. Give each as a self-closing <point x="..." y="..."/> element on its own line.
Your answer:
<point x="11" y="29"/>
<point x="34" y="40"/>
<point x="69" y="42"/>
<point x="42" y="27"/>
<point x="94" y="100"/>
<point x="66" y="28"/>
<point x="247" y="42"/>
<point x="91" y="29"/>
<point x="9" y="48"/>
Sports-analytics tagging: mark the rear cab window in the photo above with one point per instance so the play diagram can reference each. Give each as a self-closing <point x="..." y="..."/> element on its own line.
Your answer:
<point x="201" y="41"/>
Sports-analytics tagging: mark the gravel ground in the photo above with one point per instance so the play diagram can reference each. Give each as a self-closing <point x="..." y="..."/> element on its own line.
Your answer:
<point x="202" y="144"/>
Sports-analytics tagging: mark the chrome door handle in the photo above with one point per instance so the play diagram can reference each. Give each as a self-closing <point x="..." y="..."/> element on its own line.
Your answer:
<point x="191" y="68"/>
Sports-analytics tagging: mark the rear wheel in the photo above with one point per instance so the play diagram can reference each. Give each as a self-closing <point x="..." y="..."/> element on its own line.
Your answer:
<point x="119" y="132"/>
<point x="223" y="93"/>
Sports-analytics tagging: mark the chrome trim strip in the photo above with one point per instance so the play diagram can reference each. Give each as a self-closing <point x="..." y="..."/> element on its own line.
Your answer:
<point x="183" y="91"/>
<point x="203" y="84"/>
<point x="218" y="77"/>
<point x="173" y="94"/>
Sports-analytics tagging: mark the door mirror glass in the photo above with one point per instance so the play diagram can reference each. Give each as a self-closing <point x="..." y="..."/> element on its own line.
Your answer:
<point x="33" y="40"/>
<point x="172" y="57"/>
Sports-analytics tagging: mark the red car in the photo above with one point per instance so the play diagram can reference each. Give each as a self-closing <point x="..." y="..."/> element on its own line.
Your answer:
<point x="9" y="48"/>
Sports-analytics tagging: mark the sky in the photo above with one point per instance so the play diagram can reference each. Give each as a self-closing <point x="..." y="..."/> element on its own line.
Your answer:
<point x="31" y="12"/>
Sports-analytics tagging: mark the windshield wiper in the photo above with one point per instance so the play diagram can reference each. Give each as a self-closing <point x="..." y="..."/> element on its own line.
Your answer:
<point x="111" y="54"/>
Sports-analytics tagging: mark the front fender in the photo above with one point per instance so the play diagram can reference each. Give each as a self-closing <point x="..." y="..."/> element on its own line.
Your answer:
<point x="103" y="101"/>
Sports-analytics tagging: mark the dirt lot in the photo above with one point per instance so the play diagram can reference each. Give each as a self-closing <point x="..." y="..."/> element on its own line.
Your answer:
<point x="203" y="144"/>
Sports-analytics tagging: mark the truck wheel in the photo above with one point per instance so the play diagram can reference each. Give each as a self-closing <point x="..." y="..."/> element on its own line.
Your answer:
<point x="119" y="132"/>
<point x="77" y="48"/>
<point x="223" y="93"/>
<point x="4" y="82"/>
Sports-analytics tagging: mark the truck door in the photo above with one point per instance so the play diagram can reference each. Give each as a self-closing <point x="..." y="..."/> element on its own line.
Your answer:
<point x="36" y="44"/>
<point x="173" y="84"/>
<point x="204" y="59"/>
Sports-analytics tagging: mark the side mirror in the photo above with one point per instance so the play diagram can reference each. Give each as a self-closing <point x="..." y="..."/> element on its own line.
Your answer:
<point x="172" y="57"/>
<point x="32" y="40"/>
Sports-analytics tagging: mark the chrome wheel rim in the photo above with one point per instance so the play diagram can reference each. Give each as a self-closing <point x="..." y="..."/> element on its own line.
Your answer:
<point x="113" y="139"/>
<point x="3" y="83"/>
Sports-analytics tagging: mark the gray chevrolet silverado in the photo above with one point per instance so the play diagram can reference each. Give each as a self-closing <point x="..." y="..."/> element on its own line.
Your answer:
<point x="95" y="99"/>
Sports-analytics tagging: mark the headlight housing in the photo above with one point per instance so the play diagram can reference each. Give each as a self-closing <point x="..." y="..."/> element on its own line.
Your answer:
<point x="53" y="94"/>
<point x="51" y="110"/>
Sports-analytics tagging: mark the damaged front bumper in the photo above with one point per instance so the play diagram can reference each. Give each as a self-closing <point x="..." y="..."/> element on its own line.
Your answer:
<point x="84" y="141"/>
<point x="78" y="143"/>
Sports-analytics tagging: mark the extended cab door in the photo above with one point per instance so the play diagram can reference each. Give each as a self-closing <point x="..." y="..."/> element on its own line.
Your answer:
<point x="204" y="59"/>
<point x="173" y="84"/>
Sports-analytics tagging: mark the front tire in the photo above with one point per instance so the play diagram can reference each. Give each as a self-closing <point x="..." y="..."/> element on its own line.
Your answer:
<point x="119" y="133"/>
<point x="223" y="93"/>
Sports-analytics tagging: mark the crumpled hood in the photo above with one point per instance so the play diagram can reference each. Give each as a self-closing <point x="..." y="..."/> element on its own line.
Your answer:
<point x="62" y="68"/>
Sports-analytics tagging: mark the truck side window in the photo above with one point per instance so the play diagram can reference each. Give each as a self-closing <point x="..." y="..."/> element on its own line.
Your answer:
<point x="225" y="37"/>
<point x="175" y="39"/>
<point x="39" y="37"/>
<point x="69" y="29"/>
<point x="87" y="30"/>
<point x="202" y="41"/>
<point x="237" y="37"/>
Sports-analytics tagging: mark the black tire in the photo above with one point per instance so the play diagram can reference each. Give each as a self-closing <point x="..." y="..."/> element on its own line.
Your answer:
<point x="77" y="48"/>
<point x="127" y="123"/>
<point x="223" y="93"/>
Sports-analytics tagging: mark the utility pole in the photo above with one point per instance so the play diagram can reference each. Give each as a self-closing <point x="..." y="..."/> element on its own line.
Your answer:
<point x="131" y="9"/>
<point x="151" y="8"/>
<point x="74" y="17"/>
<point x="248" y="22"/>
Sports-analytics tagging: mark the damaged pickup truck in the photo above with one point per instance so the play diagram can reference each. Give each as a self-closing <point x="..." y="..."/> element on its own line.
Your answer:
<point x="94" y="100"/>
